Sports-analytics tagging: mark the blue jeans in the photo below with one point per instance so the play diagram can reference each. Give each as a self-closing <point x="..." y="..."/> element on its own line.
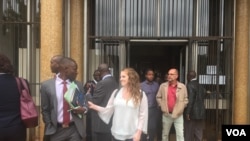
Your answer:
<point x="167" y="122"/>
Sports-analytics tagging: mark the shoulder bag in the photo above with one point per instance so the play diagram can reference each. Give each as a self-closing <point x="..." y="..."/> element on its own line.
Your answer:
<point x="28" y="109"/>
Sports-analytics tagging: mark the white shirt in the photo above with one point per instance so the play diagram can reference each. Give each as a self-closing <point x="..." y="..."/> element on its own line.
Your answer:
<point x="59" y="96"/>
<point x="127" y="117"/>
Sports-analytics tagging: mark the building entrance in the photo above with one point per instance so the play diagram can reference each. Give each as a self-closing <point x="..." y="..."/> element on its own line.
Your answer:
<point x="158" y="56"/>
<point x="208" y="57"/>
<point x="146" y="34"/>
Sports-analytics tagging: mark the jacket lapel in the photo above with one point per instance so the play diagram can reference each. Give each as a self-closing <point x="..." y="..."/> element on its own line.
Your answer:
<point x="53" y="94"/>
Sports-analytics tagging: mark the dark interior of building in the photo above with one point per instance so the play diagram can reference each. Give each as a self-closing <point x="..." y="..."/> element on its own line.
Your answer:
<point x="160" y="57"/>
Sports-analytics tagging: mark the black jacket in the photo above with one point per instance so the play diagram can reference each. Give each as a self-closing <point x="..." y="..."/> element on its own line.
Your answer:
<point x="196" y="95"/>
<point x="101" y="95"/>
<point x="9" y="102"/>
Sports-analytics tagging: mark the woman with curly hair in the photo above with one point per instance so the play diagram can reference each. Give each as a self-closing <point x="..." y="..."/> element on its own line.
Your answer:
<point x="128" y="106"/>
<point x="11" y="126"/>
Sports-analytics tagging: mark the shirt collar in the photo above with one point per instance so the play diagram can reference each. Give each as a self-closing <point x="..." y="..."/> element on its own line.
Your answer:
<point x="193" y="79"/>
<point x="108" y="75"/>
<point x="59" y="80"/>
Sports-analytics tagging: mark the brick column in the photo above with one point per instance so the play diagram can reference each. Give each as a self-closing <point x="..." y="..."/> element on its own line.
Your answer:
<point x="241" y="67"/>
<point x="51" y="39"/>
<point x="76" y="34"/>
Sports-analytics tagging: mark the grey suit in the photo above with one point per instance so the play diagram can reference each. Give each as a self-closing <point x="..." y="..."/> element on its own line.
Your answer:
<point x="101" y="95"/>
<point x="49" y="108"/>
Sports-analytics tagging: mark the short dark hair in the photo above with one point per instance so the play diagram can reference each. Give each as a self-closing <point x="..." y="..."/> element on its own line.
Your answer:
<point x="5" y="65"/>
<point x="103" y="67"/>
<point x="147" y="70"/>
<point x="192" y="74"/>
<point x="57" y="58"/>
<point x="65" y="61"/>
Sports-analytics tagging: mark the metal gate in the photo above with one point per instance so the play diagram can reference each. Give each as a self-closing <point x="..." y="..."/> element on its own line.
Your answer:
<point x="212" y="60"/>
<point x="206" y="24"/>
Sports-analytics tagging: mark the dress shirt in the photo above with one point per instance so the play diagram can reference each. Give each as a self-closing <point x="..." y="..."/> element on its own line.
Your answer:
<point x="171" y="97"/>
<point x="59" y="96"/>
<point x="151" y="89"/>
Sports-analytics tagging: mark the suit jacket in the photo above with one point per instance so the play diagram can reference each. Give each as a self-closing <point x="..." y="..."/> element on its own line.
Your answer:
<point x="49" y="108"/>
<point x="181" y="99"/>
<point x="196" y="95"/>
<point x="101" y="95"/>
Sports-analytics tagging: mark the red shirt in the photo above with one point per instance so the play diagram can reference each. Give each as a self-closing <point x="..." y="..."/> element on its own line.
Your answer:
<point x="171" y="95"/>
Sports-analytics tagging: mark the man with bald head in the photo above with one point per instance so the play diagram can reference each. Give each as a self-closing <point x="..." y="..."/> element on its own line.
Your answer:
<point x="102" y="92"/>
<point x="172" y="98"/>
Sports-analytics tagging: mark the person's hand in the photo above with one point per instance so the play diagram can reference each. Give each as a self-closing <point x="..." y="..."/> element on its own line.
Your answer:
<point x="89" y="91"/>
<point x="91" y="105"/>
<point x="137" y="136"/>
<point x="78" y="110"/>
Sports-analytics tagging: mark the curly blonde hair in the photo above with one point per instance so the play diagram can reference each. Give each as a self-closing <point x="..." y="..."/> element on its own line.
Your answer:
<point x="133" y="84"/>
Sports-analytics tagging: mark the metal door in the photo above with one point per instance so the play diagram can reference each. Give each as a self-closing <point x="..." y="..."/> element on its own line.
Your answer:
<point x="211" y="59"/>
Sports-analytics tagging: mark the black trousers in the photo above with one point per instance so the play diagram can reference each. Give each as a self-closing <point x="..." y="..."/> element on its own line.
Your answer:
<point x="66" y="134"/>
<point x="153" y="118"/>
<point x="193" y="130"/>
<point x="13" y="133"/>
<point x="46" y="138"/>
<point x="101" y="136"/>
<point x="88" y="127"/>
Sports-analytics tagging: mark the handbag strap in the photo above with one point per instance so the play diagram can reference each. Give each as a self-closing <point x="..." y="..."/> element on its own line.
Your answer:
<point x="19" y="85"/>
<point x="25" y="84"/>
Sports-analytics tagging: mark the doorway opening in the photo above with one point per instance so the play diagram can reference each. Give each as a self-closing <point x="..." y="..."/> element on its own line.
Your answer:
<point x="158" y="56"/>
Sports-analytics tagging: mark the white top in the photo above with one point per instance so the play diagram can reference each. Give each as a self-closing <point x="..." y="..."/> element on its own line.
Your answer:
<point x="127" y="118"/>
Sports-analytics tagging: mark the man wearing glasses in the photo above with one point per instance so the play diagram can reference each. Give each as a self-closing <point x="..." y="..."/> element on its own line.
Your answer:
<point x="172" y="97"/>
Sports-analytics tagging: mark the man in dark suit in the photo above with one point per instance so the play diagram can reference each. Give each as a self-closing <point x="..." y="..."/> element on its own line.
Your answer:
<point x="52" y="105"/>
<point x="195" y="110"/>
<point x="102" y="92"/>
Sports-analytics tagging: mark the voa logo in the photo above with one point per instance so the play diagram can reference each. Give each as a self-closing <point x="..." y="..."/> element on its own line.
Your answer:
<point x="236" y="132"/>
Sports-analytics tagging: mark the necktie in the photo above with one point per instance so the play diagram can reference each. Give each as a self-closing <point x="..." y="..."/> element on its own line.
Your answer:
<point x="66" y="114"/>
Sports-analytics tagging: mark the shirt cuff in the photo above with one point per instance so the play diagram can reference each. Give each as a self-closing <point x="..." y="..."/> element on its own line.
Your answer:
<point x="86" y="110"/>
